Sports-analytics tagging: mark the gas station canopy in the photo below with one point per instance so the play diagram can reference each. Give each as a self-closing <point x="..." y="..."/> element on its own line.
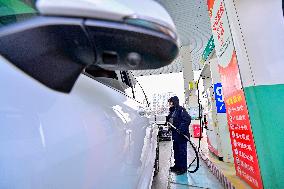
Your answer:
<point x="192" y="21"/>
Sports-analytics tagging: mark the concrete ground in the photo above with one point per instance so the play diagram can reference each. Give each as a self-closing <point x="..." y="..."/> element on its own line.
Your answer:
<point x="161" y="180"/>
<point x="203" y="178"/>
<point x="225" y="171"/>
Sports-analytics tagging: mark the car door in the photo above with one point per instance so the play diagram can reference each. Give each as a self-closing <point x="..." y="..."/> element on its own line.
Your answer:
<point x="75" y="140"/>
<point x="61" y="128"/>
<point x="143" y="135"/>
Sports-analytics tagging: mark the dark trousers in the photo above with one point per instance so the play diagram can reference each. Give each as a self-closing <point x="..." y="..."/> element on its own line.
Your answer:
<point x="180" y="154"/>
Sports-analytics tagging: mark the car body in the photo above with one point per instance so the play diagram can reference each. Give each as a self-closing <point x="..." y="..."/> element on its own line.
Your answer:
<point x="82" y="139"/>
<point x="68" y="117"/>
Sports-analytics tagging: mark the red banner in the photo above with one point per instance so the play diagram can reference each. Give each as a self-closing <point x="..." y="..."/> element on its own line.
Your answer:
<point x="210" y="4"/>
<point x="244" y="152"/>
<point x="246" y="162"/>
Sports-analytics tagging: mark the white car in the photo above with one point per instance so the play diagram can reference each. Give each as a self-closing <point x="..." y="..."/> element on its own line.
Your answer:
<point x="70" y="117"/>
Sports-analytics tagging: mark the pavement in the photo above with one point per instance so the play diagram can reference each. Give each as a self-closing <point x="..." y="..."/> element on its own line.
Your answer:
<point x="203" y="178"/>
<point x="225" y="172"/>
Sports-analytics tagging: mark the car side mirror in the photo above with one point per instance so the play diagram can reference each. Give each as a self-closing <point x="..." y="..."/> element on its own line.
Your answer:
<point x="68" y="36"/>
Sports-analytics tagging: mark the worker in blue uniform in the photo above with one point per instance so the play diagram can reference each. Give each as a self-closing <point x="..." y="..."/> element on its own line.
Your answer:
<point x="179" y="117"/>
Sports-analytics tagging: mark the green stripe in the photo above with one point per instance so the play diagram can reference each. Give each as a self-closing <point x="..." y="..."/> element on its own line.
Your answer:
<point x="266" y="110"/>
<point x="14" y="7"/>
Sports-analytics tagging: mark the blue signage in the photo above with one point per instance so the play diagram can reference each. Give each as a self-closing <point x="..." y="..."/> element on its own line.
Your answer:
<point x="220" y="103"/>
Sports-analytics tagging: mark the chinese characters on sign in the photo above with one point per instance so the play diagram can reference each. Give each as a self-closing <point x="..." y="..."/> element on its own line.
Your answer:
<point x="246" y="162"/>
<point x="221" y="32"/>
<point x="218" y="24"/>
<point x="244" y="152"/>
<point x="208" y="50"/>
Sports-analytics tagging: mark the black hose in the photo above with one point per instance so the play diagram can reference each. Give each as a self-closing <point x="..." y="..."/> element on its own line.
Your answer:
<point x="200" y="135"/>
<point x="194" y="148"/>
<point x="196" y="158"/>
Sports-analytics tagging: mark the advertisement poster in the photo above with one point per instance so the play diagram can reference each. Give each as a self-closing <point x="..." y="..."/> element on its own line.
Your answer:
<point x="244" y="152"/>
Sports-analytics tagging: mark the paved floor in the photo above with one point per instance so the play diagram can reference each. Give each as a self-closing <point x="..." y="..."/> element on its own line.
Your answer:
<point x="203" y="178"/>
<point x="227" y="169"/>
<point x="161" y="181"/>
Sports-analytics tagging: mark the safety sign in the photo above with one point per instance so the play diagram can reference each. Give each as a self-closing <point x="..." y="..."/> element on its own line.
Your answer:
<point x="220" y="103"/>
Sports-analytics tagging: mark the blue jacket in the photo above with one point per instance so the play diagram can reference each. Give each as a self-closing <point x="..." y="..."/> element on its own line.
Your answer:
<point x="181" y="120"/>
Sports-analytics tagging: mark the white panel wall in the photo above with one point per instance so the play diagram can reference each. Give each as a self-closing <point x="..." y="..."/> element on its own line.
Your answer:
<point x="186" y="64"/>
<point x="221" y="118"/>
<point x="258" y="32"/>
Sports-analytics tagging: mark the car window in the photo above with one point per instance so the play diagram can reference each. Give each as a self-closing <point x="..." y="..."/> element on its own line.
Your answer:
<point x="138" y="91"/>
<point x="134" y="89"/>
<point x="124" y="76"/>
<point x="12" y="11"/>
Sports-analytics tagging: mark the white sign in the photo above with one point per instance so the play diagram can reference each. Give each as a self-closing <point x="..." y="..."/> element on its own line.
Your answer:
<point x="221" y="33"/>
